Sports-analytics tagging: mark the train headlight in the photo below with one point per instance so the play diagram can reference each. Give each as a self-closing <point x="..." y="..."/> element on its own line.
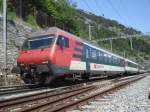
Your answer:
<point x="45" y="62"/>
<point x="21" y="64"/>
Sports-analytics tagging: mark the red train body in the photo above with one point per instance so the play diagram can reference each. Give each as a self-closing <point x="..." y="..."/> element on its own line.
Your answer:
<point x="53" y="53"/>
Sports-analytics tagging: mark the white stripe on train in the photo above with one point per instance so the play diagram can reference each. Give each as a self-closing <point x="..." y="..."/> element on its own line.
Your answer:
<point x="81" y="65"/>
<point x="77" y="65"/>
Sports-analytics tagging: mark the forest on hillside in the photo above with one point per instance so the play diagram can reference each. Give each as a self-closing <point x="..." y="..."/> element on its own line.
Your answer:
<point x="65" y="15"/>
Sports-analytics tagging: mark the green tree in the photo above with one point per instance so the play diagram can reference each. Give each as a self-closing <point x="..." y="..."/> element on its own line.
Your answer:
<point x="1" y="5"/>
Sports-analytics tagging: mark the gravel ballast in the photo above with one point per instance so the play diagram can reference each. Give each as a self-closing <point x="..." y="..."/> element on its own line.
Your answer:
<point x="132" y="98"/>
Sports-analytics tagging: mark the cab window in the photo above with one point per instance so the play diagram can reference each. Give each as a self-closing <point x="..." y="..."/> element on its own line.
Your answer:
<point x="38" y="42"/>
<point x="63" y="42"/>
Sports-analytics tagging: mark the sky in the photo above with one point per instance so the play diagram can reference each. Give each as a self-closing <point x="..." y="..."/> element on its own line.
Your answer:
<point x="131" y="13"/>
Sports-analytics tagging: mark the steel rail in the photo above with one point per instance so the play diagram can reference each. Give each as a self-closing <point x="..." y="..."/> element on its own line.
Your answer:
<point x="21" y="90"/>
<point x="34" y="101"/>
<point x="17" y="86"/>
<point x="52" y="105"/>
<point x="80" y="102"/>
<point x="31" y="98"/>
<point x="59" y="99"/>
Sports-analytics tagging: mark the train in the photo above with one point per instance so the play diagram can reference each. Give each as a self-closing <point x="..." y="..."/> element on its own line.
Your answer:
<point x="54" y="53"/>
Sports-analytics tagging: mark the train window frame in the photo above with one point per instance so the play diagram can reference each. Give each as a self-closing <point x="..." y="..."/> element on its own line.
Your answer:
<point x="122" y="62"/>
<point x="93" y="54"/>
<point x="118" y="61"/>
<point x="87" y="51"/>
<point x="113" y="60"/>
<point x="105" y="57"/>
<point x="63" y="41"/>
<point x="28" y="44"/>
<point x="130" y="64"/>
<point x="109" y="58"/>
<point x="97" y="55"/>
<point x="100" y="55"/>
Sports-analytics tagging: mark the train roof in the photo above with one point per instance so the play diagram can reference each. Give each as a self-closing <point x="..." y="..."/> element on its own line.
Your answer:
<point x="53" y="30"/>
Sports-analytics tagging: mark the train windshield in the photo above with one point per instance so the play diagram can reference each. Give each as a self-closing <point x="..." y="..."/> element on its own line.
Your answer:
<point x="38" y="42"/>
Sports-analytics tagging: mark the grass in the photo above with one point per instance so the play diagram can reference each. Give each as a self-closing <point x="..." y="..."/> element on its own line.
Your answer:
<point x="12" y="16"/>
<point x="31" y="21"/>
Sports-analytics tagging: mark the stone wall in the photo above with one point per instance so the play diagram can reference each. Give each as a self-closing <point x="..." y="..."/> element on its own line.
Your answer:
<point x="15" y="32"/>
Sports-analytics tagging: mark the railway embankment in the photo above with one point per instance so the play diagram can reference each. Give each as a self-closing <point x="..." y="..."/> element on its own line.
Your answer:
<point x="132" y="98"/>
<point x="74" y="96"/>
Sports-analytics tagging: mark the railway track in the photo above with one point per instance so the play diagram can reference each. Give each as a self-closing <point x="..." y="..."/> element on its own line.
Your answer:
<point x="16" y="89"/>
<point x="7" y="90"/>
<point x="65" y="99"/>
<point x="10" y="90"/>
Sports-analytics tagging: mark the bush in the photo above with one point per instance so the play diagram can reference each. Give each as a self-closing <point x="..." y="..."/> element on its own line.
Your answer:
<point x="31" y="20"/>
<point x="12" y="15"/>
<point x="1" y="5"/>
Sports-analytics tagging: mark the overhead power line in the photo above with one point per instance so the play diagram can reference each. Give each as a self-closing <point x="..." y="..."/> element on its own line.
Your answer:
<point x="116" y="11"/>
<point x="87" y="5"/>
<point x="98" y="7"/>
<point x="121" y="37"/>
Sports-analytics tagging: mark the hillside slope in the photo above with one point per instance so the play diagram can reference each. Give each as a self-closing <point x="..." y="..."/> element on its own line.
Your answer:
<point x="63" y="14"/>
<point x="105" y="28"/>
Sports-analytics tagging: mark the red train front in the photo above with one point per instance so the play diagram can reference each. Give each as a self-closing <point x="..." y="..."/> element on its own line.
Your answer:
<point x="46" y="55"/>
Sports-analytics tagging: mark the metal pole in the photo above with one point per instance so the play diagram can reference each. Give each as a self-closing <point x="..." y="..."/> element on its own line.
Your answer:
<point x="5" y="39"/>
<point x="111" y="44"/>
<point x="131" y="43"/>
<point x="124" y="54"/>
<point x="90" y="32"/>
<point x="90" y="37"/>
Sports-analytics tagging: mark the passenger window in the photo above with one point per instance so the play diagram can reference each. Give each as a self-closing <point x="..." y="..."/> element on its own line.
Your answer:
<point x="87" y="53"/>
<point x="109" y="59"/>
<point x="93" y="54"/>
<point x="105" y="57"/>
<point x="100" y="56"/>
<point x="63" y="42"/>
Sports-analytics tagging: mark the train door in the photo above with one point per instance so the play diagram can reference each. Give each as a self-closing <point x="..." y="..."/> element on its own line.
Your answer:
<point x="87" y="60"/>
<point x="124" y="64"/>
<point x="63" y="53"/>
